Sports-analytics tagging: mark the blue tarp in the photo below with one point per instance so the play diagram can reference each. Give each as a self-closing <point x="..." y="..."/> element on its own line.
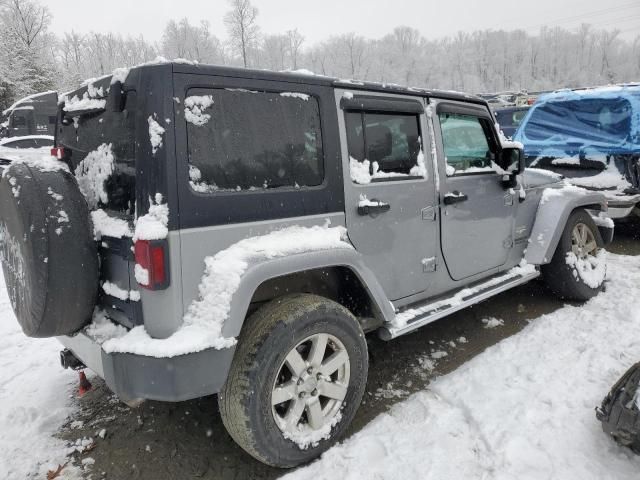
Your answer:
<point x="569" y="122"/>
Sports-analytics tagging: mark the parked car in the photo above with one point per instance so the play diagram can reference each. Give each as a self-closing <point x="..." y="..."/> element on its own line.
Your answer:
<point x="239" y="232"/>
<point x="32" y="115"/>
<point x="19" y="147"/>
<point x="592" y="137"/>
<point x="509" y="118"/>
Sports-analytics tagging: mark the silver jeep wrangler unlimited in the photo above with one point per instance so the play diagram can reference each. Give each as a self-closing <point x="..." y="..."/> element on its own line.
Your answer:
<point x="204" y="230"/>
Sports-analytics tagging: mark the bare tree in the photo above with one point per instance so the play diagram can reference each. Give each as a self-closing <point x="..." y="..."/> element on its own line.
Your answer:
<point x="241" y="23"/>
<point x="27" y="19"/>
<point x="295" y="40"/>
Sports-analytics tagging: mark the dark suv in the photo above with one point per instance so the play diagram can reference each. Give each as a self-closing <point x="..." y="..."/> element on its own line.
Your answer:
<point x="208" y="230"/>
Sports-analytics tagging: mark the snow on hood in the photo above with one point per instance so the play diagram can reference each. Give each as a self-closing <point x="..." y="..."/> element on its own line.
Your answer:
<point x="535" y="177"/>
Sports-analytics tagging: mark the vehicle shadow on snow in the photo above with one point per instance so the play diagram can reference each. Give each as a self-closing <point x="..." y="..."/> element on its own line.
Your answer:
<point x="187" y="440"/>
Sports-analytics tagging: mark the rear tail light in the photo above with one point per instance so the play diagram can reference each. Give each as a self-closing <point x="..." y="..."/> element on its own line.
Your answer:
<point x="58" y="152"/>
<point x="152" y="267"/>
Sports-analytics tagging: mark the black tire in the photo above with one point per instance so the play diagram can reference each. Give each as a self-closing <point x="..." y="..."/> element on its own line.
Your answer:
<point x="564" y="279"/>
<point x="49" y="257"/>
<point x="266" y="339"/>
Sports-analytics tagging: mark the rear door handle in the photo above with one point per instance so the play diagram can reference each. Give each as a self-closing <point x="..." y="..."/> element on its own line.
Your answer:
<point x="373" y="206"/>
<point x="455" y="197"/>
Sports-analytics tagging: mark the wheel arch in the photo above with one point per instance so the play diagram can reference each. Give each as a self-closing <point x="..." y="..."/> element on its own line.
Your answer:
<point x="313" y="272"/>
<point x="550" y="221"/>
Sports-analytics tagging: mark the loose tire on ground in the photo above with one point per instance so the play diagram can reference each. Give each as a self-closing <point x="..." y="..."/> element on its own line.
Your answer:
<point x="565" y="279"/>
<point x="48" y="254"/>
<point x="260" y="374"/>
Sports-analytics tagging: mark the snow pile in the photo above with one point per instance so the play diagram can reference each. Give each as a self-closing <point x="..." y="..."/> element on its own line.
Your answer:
<point x="305" y="437"/>
<point x="360" y="172"/>
<point x="194" y="108"/>
<point x="301" y="96"/>
<point x="205" y="317"/>
<point x="507" y="415"/>
<point x="104" y="225"/>
<point x="551" y="192"/>
<point x="38" y="158"/>
<point x="115" y="291"/>
<point x="153" y="225"/>
<point x="195" y="180"/>
<point x="102" y="329"/>
<point x="610" y="178"/>
<point x="492" y="322"/>
<point x="77" y="104"/>
<point x="93" y="172"/>
<point x="155" y="135"/>
<point x="34" y="399"/>
<point x="591" y="270"/>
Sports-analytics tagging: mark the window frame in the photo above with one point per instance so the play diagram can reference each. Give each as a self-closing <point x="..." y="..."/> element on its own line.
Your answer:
<point x="383" y="105"/>
<point x="231" y="192"/>
<point x="471" y="111"/>
<point x="233" y="207"/>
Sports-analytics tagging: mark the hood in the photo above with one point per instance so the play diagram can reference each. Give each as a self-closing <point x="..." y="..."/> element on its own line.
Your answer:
<point x="535" y="177"/>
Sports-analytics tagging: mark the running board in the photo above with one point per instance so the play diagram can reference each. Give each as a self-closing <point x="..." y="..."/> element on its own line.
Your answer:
<point x="417" y="317"/>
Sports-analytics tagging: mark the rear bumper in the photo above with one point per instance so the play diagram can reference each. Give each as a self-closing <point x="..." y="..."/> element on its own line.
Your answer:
<point x="140" y="377"/>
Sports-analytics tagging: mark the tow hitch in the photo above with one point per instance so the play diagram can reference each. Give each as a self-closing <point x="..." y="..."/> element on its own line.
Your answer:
<point x="69" y="360"/>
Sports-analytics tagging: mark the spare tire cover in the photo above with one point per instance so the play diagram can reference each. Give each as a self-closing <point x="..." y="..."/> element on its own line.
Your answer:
<point x="48" y="254"/>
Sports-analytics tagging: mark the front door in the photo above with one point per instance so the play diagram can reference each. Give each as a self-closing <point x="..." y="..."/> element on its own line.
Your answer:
<point x="477" y="211"/>
<point x="390" y="198"/>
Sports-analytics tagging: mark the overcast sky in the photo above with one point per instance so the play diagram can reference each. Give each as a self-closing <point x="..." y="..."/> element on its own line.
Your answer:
<point x="317" y="20"/>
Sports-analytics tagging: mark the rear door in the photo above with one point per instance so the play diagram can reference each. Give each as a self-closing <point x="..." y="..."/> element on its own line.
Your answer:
<point x="390" y="195"/>
<point x="477" y="212"/>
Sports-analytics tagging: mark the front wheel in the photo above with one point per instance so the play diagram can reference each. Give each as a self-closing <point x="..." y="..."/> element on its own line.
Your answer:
<point x="296" y="380"/>
<point x="578" y="267"/>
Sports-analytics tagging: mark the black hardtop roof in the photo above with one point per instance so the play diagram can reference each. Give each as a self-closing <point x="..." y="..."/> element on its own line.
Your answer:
<point x="301" y="77"/>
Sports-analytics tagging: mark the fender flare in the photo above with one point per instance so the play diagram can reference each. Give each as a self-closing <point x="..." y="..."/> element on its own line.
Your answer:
<point x="267" y="269"/>
<point x="551" y="219"/>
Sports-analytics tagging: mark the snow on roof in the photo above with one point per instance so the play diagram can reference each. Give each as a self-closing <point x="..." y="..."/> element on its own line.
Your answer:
<point x="26" y="137"/>
<point x="27" y="99"/>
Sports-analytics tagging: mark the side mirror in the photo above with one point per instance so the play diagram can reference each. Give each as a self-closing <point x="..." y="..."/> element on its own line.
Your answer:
<point x="512" y="160"/>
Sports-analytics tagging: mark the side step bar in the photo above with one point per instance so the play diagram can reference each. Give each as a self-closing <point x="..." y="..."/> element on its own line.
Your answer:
<point x="419" y="316"/>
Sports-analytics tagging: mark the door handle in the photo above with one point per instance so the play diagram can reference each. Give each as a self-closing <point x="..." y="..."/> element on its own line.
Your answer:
<point x="455" y="197"/>
<point x="373" y="206"/>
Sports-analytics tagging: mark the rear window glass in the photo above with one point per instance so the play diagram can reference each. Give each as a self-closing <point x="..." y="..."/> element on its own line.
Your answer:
<point x="103" y="154"/>
<point x="242" y="140"/>
<point x="588" y="121"/>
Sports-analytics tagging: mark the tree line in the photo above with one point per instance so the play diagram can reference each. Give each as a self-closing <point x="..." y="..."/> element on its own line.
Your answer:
<point x="35" y="59"/>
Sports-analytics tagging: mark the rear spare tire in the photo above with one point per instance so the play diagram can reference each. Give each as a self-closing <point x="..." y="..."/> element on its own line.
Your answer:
<point x="48" y="254"/>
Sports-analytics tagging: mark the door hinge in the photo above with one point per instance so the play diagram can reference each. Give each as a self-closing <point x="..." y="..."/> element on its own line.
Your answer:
<point x="508" y="242"/>
<point x="429" y="264"/>
<point x="429" y="213"/>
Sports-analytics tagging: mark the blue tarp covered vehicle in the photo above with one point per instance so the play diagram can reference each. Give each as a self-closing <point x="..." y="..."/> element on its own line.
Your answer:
<point x="592" y="137"/>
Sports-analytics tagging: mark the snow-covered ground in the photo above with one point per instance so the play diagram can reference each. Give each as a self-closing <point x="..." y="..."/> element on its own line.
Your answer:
<point x="34" y="399"/>
<point x="523" y="409"/>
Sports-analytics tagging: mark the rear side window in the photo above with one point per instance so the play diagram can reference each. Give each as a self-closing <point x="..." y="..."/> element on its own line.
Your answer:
<point x="245" y="140"/>
<point x="390" y="142"/>
<point x="19" y="121"/>
<point x="103" y="155"/>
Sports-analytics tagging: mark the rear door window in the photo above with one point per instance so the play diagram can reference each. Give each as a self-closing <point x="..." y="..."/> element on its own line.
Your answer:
<point x="248" y="140"/>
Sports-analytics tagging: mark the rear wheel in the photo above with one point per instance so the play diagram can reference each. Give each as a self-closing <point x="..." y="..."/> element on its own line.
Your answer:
<point x="296" y="381"/>
<point x="578" y="267"/>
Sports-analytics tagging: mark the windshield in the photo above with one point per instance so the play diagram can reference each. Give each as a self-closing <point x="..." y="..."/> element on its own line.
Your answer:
<point x="585" y="122"/>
